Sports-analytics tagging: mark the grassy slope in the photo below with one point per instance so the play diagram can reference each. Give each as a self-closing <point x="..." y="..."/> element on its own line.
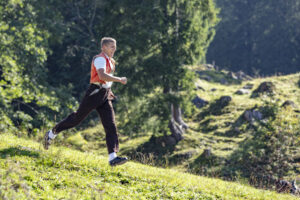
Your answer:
<point x="28" y="172"/>
<point x="213" y="131"/>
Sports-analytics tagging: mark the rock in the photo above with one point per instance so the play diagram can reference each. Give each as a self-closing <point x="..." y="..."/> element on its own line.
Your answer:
<point x="213" y="89"/>
<point x="248" y="86"/>
<point x="242" y="76"/>
<point x="242" y="91"/>
<point x="232" y="75"/>
<point x="207" y="153"/>
<point x="170" y="141"/>
<point x="251" y="115"/>
<point x="289" y="103"/>
<point x="199" y="102"/>
<point x="264" y="87"/>
<point x="224" y="100"/>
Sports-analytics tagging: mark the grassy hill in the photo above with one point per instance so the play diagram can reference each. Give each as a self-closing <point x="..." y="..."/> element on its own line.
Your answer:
<point x="29" y="172"/>
<point x="222" y="131"/>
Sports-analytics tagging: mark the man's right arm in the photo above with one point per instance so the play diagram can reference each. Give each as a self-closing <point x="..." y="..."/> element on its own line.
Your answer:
<point x="100" y="64"/>
<point x="107" y="77"/>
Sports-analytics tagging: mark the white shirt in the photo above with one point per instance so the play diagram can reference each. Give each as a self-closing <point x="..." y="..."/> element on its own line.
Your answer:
<point x="100" y="63"/>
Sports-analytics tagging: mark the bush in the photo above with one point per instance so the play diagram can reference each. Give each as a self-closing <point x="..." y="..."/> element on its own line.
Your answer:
<point x="267" y="154"/>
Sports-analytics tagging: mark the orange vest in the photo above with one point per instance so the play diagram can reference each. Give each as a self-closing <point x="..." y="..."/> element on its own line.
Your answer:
<point x="94" y="75"/>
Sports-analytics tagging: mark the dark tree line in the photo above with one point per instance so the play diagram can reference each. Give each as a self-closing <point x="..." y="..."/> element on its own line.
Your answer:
<point x="257" y="36"/>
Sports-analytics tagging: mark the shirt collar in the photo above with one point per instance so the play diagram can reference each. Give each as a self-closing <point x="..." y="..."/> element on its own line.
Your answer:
<point x="106" y="56"/>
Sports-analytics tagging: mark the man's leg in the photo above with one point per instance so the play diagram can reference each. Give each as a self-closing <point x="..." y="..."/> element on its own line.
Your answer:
<point x="107" y="115"/>
<point x="89" y="102"/>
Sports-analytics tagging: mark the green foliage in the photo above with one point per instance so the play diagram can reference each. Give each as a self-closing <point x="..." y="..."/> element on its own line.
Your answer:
<point x="44" y="64"/>
<point x="26" y="98"/>
<point x="268" y="154"/>
<point x="136" y="120"/>
<point x="257" y="36"/>
<point x="168" y="35"/>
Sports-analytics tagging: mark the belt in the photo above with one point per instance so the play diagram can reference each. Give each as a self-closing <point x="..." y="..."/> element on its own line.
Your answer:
<point x="98" y="84"/>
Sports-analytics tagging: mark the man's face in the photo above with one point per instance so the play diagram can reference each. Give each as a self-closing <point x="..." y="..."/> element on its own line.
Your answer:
<point x="109" y="49"/>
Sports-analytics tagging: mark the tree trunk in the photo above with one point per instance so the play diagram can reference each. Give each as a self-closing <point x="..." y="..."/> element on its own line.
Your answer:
<point x="176" y="114"/>
<point x="176" y="124"/>
<point x="176" y="130"/>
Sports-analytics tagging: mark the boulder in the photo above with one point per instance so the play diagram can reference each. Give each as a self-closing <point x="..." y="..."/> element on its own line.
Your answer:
<point x="264" y="87"/>
<point x="232" y="75"/>
<point x="242" y="76"/>
<point x="248" y="86"/>
<point x="251" y="115"/>
<point x="224" y="100"/>
<point x="207" y="153"/>
<point x="199" y="102"/>
<point x="242" y="92"/>
<point x="289" y="103"/>
<point x="170" y="141"/>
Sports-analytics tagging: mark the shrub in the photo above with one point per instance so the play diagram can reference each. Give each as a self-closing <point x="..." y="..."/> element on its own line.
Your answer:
<point x="267" y="154"/>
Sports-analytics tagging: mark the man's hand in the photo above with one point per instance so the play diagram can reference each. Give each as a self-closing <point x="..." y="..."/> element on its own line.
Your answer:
<point x="123" y="80"/>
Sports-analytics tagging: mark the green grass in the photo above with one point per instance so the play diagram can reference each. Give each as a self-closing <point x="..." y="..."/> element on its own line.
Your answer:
<point x="211" y="131"/>
<point x="29" y="172"/>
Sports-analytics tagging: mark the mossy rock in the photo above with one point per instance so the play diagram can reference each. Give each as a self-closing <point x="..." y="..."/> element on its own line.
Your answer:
<point x="266" y="87"/>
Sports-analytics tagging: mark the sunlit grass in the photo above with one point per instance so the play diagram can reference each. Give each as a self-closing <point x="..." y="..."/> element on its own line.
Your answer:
<point x="29" y="172"/>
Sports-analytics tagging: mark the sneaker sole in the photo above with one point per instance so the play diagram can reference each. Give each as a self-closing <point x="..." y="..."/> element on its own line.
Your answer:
<point x="119" y="163"/>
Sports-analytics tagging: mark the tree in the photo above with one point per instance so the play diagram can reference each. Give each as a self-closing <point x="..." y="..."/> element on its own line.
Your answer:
<point x="257" y="36"/>
<point x="158" y="39"/>
<point x="26" y="99"/>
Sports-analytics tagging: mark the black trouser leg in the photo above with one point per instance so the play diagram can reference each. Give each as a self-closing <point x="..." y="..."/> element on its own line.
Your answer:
<point x="89" y="102"/>
<point x="107" y="115"/>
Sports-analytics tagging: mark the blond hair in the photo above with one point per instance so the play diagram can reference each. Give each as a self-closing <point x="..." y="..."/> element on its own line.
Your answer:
<point x="106" y="40"/>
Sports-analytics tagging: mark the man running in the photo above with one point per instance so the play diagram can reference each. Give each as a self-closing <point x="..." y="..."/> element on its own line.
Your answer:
<point x="98" y="96"/>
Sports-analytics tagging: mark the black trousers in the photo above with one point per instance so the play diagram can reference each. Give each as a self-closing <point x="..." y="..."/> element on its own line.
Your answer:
<point x="100" y="99"/>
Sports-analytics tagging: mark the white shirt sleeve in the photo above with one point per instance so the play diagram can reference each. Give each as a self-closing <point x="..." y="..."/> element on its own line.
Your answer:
<point x="100" y="63"/>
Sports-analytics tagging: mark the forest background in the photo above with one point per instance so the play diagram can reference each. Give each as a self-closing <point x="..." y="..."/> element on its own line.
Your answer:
<point x="46" y="48"/>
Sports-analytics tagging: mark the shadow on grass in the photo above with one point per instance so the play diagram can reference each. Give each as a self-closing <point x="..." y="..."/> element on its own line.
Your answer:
<point x="216" y="108"/>
<point x="155" y="151"/>
<point x="17" y="151"/>
<point x="207" y="165"/>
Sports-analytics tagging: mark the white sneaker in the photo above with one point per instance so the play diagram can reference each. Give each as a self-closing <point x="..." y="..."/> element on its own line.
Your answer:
<point x="48" y="139"/>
